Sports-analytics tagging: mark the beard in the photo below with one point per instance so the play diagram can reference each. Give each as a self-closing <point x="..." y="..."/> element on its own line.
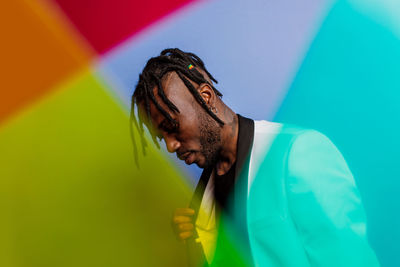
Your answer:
<point x="210" y="139"/>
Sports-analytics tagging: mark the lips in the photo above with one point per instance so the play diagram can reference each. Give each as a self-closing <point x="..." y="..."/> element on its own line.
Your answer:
<point x="189" y="159"/>
<point x="183" y="155"/>
<point x="186" y="156"/>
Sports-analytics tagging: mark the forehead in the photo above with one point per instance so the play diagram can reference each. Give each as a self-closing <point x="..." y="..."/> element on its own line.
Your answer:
<point x="175" y="91"/>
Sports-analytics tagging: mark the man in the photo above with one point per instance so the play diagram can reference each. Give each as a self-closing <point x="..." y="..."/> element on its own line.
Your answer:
<point x="269" y="195"/>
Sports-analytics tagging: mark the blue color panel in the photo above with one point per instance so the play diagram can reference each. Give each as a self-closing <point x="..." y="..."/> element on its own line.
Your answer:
<point x="252" y="47"/>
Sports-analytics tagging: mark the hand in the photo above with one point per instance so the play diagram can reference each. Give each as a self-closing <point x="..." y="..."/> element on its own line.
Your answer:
<point x="182" y="222"/>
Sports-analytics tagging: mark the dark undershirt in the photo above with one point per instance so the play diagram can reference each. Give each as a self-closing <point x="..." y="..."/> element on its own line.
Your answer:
<point x="223" y="188"/>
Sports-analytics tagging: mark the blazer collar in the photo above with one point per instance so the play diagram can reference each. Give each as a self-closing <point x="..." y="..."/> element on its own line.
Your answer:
<point x="240" y="192"/>
<point x="244" y="144"/>
<point x="239" y="196"/>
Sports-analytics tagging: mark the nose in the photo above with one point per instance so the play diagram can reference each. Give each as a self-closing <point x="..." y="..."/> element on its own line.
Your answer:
<point x="172" y="144"/>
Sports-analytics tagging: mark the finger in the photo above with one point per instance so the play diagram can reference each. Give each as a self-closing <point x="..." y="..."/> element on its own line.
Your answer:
<point x="185" y="235"/>
<point x="182" y="219"/>
<point x="184" y="211"/>
<point x="185" y="227"/>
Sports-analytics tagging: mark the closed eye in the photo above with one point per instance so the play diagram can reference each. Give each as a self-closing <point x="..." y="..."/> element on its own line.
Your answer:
<point x="169" y="126"/>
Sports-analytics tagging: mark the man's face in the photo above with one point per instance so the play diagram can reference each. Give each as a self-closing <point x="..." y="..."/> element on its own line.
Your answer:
<point x="196" y="137"/>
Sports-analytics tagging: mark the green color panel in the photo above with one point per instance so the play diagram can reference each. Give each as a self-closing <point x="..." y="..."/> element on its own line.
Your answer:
<point x="348" y="87"/>
<point x="70" y="193"/>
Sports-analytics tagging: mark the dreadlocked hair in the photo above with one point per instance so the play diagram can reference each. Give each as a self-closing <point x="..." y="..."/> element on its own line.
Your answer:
<point x="185" y="65"/>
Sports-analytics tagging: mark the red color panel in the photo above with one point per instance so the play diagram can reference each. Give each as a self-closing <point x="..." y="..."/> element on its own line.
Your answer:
<point x="105" y="23"/>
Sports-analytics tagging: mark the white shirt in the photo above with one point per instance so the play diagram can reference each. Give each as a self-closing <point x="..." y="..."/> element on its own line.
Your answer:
<point x="205" y="223"/>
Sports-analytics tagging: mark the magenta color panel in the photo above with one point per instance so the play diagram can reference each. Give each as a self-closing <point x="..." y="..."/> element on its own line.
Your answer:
<point x="105" y="23"/>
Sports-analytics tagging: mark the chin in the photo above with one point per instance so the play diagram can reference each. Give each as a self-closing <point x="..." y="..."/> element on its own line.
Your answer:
<point x="201" y="164"/>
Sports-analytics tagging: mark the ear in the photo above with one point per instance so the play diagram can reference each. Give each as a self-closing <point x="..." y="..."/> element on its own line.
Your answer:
<point x="207" y="93"/>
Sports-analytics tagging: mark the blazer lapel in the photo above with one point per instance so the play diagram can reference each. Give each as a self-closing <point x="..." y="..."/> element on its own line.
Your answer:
<point x="245" y="142"/>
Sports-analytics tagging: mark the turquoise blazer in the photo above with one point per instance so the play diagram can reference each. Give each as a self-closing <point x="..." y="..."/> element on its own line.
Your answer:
<point x="295" y="204"/>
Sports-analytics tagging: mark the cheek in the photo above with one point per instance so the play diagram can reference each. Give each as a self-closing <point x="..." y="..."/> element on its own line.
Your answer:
<point x="191" y="142"/>
<point x="189" y="131"/>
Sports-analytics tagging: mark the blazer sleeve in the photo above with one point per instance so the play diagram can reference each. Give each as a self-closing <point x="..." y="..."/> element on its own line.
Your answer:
<point x="325" y="204"/>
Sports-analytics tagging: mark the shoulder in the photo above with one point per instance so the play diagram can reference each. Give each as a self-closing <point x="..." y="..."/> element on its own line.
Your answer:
<point x="263" y="127"/>
<point x="293" y="144"/>
<point x="295" y="134"/>
<point x="312" y="147"/>
<point x="273" y="141"/>
<point x="267" y="132"/>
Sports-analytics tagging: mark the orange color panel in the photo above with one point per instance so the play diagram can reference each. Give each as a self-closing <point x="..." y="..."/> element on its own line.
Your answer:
<point x="38" y="49"/>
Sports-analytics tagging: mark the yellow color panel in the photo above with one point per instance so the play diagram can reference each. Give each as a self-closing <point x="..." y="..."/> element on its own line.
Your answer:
<point x="70" y="193"/>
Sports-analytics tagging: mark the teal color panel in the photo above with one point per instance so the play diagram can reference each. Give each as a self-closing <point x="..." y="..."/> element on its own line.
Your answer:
<point x="348" y="87"/>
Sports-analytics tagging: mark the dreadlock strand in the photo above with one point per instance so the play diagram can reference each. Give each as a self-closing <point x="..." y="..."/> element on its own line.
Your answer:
<point x="199" y="98"/>
<point x="146" y="99"/>
<point x="132" y="134"/>
<point x="161" y="93"/>
<point x="163" y="111"/>
<point x="199" y="79"/>
<point x="141" y="129"/>
<point x="194" y="92"/>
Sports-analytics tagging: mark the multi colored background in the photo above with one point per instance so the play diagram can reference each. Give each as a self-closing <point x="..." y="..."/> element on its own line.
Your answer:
<point x="70" y="193"/>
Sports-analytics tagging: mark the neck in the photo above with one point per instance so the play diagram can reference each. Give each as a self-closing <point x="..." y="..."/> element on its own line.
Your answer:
<point x="229" y="137"/>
